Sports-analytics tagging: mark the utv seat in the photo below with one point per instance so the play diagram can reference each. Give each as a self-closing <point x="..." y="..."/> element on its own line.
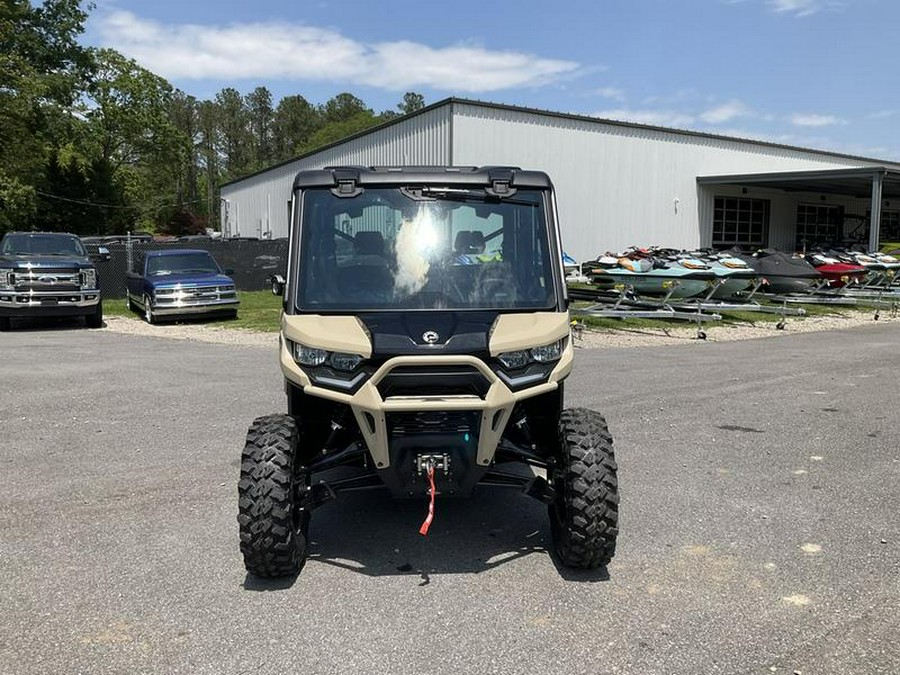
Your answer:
<point x="366" y="275"/>
<point x="469" y="242"/>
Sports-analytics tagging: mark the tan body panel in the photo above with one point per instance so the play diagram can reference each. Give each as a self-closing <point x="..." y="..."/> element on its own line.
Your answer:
<point x="334" y="333"/>
<point x="512" y="332"/>
<point x="370" y="409"/>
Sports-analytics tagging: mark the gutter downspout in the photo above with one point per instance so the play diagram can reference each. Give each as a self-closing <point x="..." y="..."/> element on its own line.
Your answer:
<point x="875" y="210"/>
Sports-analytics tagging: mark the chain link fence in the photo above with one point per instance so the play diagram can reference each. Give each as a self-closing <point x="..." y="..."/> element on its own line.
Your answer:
<point x="251" y="262"/>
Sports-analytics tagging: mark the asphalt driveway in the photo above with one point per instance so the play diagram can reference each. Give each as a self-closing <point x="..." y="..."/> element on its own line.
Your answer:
<point x="759" y="527"/>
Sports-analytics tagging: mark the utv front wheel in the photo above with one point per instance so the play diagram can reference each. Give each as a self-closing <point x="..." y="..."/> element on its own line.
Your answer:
<point x="584" y="514"/>
<point x="272" y="525"/>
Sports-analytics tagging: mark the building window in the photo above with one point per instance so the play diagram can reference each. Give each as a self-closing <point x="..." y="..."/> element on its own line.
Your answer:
<point x="890" y="225"/>
<point x="818" y="225"/>
<point x="740" y="221"/>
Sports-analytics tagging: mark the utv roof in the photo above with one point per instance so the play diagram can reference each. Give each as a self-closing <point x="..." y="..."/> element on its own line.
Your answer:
<point x="485" y="176"/>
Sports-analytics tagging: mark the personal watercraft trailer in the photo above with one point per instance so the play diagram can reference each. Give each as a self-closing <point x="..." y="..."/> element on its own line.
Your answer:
<point x="425" y="341"/>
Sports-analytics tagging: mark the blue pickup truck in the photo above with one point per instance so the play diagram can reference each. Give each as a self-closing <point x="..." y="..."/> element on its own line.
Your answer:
<point x="181" y="283"/>
<point x="48" y="274"/>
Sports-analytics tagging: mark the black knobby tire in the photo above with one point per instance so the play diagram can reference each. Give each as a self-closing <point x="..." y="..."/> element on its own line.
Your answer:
<point x="584" y="515"/>
<point x="95" y="318"/>
<point x="272" y="526"/>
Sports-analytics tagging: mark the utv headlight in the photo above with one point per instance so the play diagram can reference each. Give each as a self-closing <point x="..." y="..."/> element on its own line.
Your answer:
<point x="309" y="356"/>
<point x="313" y="356"/>
<point x="89" y="278"/>
<point x="522" y="357"/>
<point x="346" y="362"/>
<point x="5" y="280"/>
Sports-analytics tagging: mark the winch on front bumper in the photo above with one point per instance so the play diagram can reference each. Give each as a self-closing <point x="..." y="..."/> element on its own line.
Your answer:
<point x="456" y="433"/>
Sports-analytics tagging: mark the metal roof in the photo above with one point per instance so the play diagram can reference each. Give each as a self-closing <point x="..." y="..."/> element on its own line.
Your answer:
<point x="852" y="182"/>
<point x="558" y="115"/>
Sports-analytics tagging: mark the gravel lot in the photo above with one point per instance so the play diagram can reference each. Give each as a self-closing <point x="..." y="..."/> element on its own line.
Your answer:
<point x="759" y="530"/>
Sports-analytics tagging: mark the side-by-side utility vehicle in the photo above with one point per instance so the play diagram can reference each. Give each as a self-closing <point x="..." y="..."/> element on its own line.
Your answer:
<point x="424" y="343"/>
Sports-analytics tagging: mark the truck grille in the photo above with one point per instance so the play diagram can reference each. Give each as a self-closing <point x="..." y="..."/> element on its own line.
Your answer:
<point x="61" y="280"/>
<point x="192" y="296"/>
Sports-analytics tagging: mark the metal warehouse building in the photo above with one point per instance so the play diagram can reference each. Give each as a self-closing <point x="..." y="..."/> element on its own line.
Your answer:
<point x="617" y="183"/>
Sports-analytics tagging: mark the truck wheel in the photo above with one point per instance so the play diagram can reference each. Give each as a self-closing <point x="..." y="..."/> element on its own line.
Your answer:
<point x="148" y="310"/>
<point x="584" y="515"/>
<point x="95" y="318"/>
<point x="272" y="525"/>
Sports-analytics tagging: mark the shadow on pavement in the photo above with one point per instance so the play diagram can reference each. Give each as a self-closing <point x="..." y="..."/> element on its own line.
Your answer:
<point x="374" y="535"/>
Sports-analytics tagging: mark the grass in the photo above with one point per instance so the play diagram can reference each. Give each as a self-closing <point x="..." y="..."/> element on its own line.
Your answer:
<point x="259" y="311"/>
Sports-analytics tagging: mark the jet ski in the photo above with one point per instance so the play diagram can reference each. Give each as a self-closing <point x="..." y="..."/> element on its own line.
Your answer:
<point x="783" y="272"/>
<point x="733" y="274"/>
<point x="654" y="277"/>
<point x="839" y="273"/>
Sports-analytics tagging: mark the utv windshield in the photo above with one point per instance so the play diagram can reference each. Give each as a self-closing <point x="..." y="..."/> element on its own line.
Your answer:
<point x="42" y="244"/>
<point x="431" y="248"/>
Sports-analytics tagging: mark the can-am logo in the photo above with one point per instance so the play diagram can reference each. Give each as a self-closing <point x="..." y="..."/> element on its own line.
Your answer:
<point x="430" y="337"/>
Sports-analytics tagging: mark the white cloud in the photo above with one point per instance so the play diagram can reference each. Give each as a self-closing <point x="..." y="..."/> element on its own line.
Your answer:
<point x="801" y="8"/>
<point x="725" y="112"/>
<point x="814" y="120"/>
<point x="659" y="118"/>
<point x="301" y="52"/>
<point x="612" y="93"/>
<point x="882" y="114"/>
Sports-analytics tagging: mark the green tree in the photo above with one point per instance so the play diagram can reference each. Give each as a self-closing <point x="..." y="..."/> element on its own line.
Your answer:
<point x="42" y="70"/>
<point x="234" y="133"/>
<point x="296" y="120"/>
<point x="132" y="142"/>
<point x="411" y="102"/>
<point x="343" y="107"/>
<point x="210" y="159"/>
<point x="182" y="110"/>
<point x="261" y="120"/>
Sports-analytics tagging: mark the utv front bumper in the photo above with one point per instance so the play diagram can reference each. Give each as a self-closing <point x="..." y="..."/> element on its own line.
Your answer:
<point x="379" y="412"/>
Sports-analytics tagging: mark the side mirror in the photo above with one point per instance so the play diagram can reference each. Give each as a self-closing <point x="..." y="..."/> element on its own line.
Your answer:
<point x="228" y="271"/>
<point x="132" y="275"/>
<point x="278" y="284"/>
<point x="103" y="254"/>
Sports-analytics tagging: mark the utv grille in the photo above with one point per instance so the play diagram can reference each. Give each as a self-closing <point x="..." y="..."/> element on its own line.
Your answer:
<point x="433" y="422"/>
<point x="434" y="381"/>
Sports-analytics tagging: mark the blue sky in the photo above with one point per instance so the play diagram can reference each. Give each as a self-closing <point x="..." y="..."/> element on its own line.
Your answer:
<point x="815" y="73"/>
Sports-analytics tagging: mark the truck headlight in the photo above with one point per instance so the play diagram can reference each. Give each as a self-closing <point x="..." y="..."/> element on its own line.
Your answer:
<point x="542" y="354"/>
<point x="89" y="278"/>
<point x="314" y="356"/>
<point x="6" y="280"/>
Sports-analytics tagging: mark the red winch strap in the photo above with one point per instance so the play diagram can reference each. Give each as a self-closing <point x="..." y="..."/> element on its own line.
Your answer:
<point x="432" y="492"/>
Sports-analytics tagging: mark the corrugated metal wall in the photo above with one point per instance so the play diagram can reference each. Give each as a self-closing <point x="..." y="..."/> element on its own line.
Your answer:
<point x="617" y="184"/>
<point x="258" y="206"/>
